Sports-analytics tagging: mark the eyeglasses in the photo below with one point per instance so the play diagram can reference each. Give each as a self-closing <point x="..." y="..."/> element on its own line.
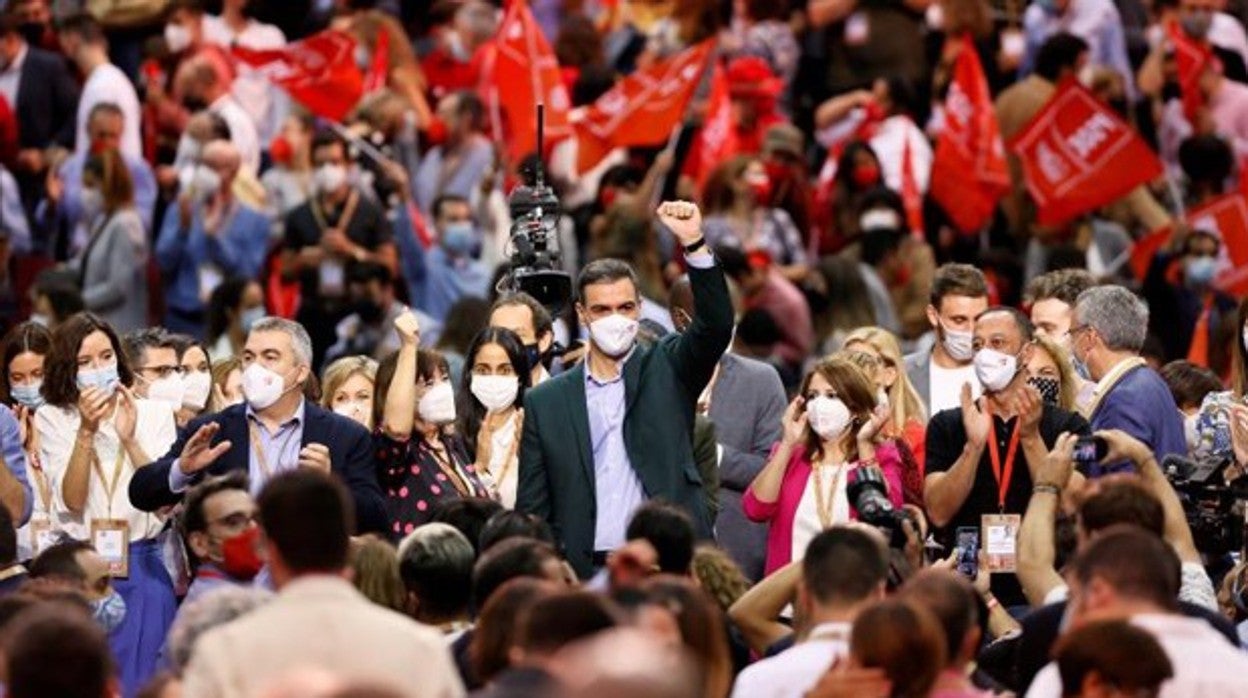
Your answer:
<point x="161" y="371"/>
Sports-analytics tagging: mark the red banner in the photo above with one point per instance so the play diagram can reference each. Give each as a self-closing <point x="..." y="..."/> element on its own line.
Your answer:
<point x="379" y="70"/>
<point x="1077" y="156"/>
<point x="642" y="109"/>
<point x="319" y="72"/>
<point x="1190" y="59"/>
<point x="1226" y="217"/>
<point x="520" y="71"/>
<point x="717" y="140"/>
<point x="968" y="173"/>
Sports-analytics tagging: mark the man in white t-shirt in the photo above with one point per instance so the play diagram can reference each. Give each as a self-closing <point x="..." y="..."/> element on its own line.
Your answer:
<point x="202" y="85"/>
<point x="959" y="294"/>
<point x="844" y="571"/>
<point x="266" y="106"/>
<point x="82" y="39"/>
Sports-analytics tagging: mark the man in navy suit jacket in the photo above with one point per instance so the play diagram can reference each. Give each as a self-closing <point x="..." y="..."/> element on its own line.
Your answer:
<point x="275" y="430"/>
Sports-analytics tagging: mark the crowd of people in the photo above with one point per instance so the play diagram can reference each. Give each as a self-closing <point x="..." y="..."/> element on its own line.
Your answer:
<point x="278" y="418"/>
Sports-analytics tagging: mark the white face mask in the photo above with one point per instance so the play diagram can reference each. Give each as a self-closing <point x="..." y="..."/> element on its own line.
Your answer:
<point x="170" y="390"/>
<point x="496" y="393"/>
<point x="1244" y="336"/>
<point x="262" y="387"/>
<point x="828" y="417"/>
<point x="199" y="181"/>
<point x="438" y="404"/>
<point x="92" y="204"/>
<point x="1190" y="431"/>
<point x="177" y="37"/>
<point x="197" y="386"/>
<point x="881" y="397"/>
<point x="958" y="344"/>
<point x="614" y="334"/>
<point x="356" y="410"/>
<point x="329" y="178"/>
<point x="995" y="369"/>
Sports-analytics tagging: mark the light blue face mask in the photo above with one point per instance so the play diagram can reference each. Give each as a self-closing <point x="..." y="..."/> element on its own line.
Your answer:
<point x="459" y="239"/>
<point x="1199" y="271"/>
<point x="110" y="611"/>
<point x="250" y="317"/>
<point x="28" y="395"/>
<point x="104" y="379"/>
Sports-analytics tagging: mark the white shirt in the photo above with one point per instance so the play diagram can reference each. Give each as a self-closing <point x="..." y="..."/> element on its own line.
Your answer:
<point x="40" y="509"/>
<point x="58" y="430"/>
<point x="242" y="131"/>
<point x="1205" y="664"/>
<point x="889" y="144"/>
<point x="945" y="386"/>
<point x="1226" y="32"/>
<point x="1196" y="588"/>
<point x="796" y="670"/>
<point x="108" y="84"/>
<point x="11" y="78"/>
<point x="806" y="523"/>
<point x="503" y="458"/>
<point x="266" y="106"/>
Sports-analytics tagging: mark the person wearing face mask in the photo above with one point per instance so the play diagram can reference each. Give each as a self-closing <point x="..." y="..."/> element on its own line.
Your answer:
<point x="421" y="461"/>
<point x="369" y="329"/>
<point x="1185" y="308"/>
<point x="1206" y="407"/>
<point x="959" y="293"/>
<point x="1198" y="23"/>
<point x="347" y="388"/>
<point x="95" y="434"/>
<point x="153" y="356"/>
<point x="288" y="183"/>
<point x="234" y="306"/>
<point x="336" y="229"/>
<point x="737" y="197"/>
<point x="23" y="350"/>
<point x="82" y="40"/>
<point x="235" y="27"/>
<point x="983" y="458"/>
<point x="273" y="431"/>
<point x="207" y="236"/>
<point x="204" y="81"/>
<point x="532" y="324"/>
<point x="1052" y="374"/>
<point x="830" y="430"/>
<point x="628" y="408"/>
<point x="452" y="64"/>
<point x="490" y="418"/>
<point x="1097" y="22"/>
<point x="218" y="524"/>
<point x="79" y="567"/>
<point x="457" y="165"/>
<point x="197" y="397"/>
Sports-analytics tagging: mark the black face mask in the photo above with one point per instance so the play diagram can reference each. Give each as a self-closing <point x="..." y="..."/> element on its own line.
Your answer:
<point x="370" y="313"/>
<point x="1050" y="389"/>
<point x="32" y="32"/>
<point x="194" y="104"/>
<point x="536" y="357"/>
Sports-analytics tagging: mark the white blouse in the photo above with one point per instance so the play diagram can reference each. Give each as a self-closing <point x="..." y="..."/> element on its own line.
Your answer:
<point x="155" y="431"/>
<point x="806" y="523"/>
<point x="40" y="510"/>
<point x="504" y="456"/>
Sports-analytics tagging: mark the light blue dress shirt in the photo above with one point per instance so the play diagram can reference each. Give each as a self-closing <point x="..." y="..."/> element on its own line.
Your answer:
<point x="15" y="459"/>
<point x="280" y="450"/>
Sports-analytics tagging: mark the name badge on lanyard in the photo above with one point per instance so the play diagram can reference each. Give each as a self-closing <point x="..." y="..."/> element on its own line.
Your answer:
<point x="1000" y="531"/>
<point x="111" y="540"/>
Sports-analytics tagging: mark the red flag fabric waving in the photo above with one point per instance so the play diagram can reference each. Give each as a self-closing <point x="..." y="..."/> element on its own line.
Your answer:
<point x="319" y="72"/>
<point x="717" y="141"/>
<point x="1226" y="217"/>
<point x="520" y="71"/>
<point x="642" y="109"/>
<point x="1077" y="155"/>
<point x="1190" y="59"/>
<point x="1147" y="247"/>
<point x="911" y="197"/>
<point x="379" y="69"/>
<point x="968" y="172"/>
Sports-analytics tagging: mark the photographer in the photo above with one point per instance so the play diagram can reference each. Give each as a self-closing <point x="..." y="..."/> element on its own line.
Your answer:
<point x="1037" y="550"/>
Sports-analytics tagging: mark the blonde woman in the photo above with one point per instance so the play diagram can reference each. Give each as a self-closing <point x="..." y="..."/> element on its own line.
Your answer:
<point x="909" y="420"/>
<point x="1051" y="373"/>
<point x="348" y="388"/>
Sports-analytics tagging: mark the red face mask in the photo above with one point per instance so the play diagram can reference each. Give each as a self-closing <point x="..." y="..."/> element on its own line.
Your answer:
<point x="241" y="557"/>
<point x="865" y="176"/>
<point x="761" y="189"/>
<point x="280" y="151"/>
<point x="608" y="197"/>
<point x="435" y="132"/>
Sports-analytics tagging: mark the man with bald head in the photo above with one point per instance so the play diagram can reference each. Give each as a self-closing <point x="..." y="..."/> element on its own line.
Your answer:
<point x="203" y="83"/>
<point x="746" y="401"/>
<point x="207" y="236"/>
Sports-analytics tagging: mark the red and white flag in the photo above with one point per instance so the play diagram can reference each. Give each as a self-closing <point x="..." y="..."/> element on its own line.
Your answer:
<point x="379" y="70"/>
<point x="642" y="109"/>
<point x="1190" y="58"/>
<point x="1078" y="155"/>
<point x="319" y="72"/>
<point x="717" y="140"/>
<point x="969" y="174"/>
<point x="1225" y="217"/>
<point x="520" y="71"/>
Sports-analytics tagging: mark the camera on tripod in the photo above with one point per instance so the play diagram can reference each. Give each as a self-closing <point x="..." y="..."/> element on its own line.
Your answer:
<point x="535" y="256"/>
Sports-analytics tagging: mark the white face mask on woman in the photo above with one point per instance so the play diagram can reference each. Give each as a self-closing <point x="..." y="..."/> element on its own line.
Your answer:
<point x="495" y="393"/>
<point x="438" y="404"/>
<point x="828" y="417"/>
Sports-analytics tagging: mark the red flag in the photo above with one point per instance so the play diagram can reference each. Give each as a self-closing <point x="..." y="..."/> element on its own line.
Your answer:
<point x="911" y="198"/>
<point x="1144" y="249"/>
<point x="642" y="109"/>
<point x="1227" y="217"/>
<point x="379" y="69"/>
<point x="1077" y="155"/>
<point x="968" y="173"/>
<point x="318" y="72"/>
<point x="1190" y="59"/>
<point x="519" y="72"/>
<point x="717" y="140"/>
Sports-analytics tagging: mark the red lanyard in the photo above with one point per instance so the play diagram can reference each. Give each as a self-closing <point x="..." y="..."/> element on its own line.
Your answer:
<point x="1003" y="476"/>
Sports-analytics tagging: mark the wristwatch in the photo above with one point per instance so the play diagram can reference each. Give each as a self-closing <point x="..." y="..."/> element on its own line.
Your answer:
<point x="695" y="245"/>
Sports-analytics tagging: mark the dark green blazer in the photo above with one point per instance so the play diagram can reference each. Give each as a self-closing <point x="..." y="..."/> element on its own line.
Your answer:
<point x="662" y="382"/>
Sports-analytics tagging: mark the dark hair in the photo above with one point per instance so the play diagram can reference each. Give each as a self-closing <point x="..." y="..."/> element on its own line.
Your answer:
<point x="957" y="280"/>
<point x="855" y="389"/>
<point x="115" y="182"/>
<point x="193" y="519"/>
<point x="1206" y="159"/>
<point x="307" y="516"/>
<point x="498" y="626"/>
<point x="445" y="199"/>
<point x="757" y="328"/>
<point x="701" y="628"/>
<point x="8" y="537"/>
<point x="470" y="107"/>
<point x="592" y="82"/>
<point x="466" y="514"/>
<point x="1136" y="564"/>
<point x="54" y="650"/>
<point x="60" y="366"/>
<point x="542" y="322"/>
<point x="1060" y="52"/>
<point x="1122" y="655"/>
<point x="365" y="272"/>
<point x="1189" y="383"/>
<point x="224" y="302"/>
<point x="669" y="529"/>
<point x="1120" y="502"/>
<point x="61" y="291"/>
<point x="26" y="337"/>
<point x="192" y="6"/>
<point x="468" y="316"/>
<point x="762" y="10"/>
<point x="1239" y="361"/>
<point x="1063" y="285"/>
<point x="903" y="639"/>
<point x="845" y="164"/>
<point x="138" y="342"/>
<point x="60" y="561"/>
<point x="844" y="566"/>
<point x="470" y="410"/>
<point x="732" y="260"/>
<point x="437" y="569"/>
<point x="952" y="600"/>
<point x="1023" y="323"/>
<point x="578" y="43"/>
<point x="326" y="138"/>
<point x="604" y="271"/>
<point x="514" y="524"/>
<point x="107" y="109"/>
<point x="428" y="363"/>
<point x="84" y="26"/>
<point x="554" y="622"/>
<point x="512" y="558"/>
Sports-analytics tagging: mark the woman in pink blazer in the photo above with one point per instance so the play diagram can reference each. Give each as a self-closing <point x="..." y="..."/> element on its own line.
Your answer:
<point x="830" y="430"/>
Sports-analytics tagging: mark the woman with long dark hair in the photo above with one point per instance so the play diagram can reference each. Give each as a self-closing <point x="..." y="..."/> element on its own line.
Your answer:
<point x="112" y="267"/>
<point x="490" y="393"/>
<point x="23" y="351"/>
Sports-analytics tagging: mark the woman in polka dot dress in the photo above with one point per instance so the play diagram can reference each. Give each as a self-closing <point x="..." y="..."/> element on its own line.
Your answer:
<point x="420" y="461"/>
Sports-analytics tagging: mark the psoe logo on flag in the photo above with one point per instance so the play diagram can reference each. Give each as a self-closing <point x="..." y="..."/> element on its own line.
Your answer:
<point x="1091" y="134"/>
<point x="1052" y="166"/>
